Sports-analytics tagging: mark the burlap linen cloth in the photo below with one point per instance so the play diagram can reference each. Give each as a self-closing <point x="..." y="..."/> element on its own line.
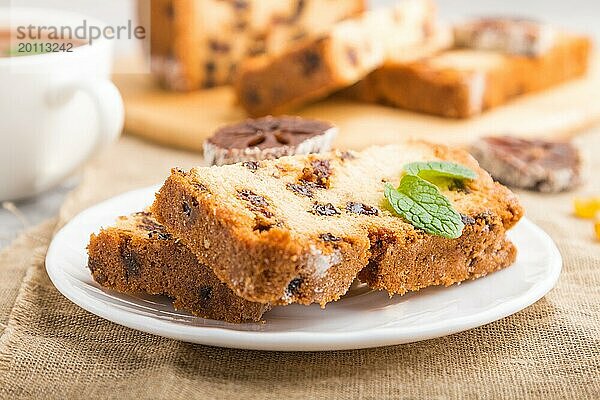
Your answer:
<point x="50" y="348"/>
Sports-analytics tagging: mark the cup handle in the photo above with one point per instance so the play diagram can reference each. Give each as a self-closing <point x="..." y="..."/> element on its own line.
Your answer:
<point x="111" y="115"/>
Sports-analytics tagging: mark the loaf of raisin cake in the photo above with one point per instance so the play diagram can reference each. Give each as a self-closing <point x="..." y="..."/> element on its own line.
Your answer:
<point x="300" y="229"/>
<point x="199" y="43"/>
<point x="274" y="84"/>
<point x="138" y="255"/>
<point x="464" y="82"/>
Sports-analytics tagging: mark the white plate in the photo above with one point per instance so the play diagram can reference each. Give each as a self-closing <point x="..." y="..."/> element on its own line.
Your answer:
<point x="362" y="319"/>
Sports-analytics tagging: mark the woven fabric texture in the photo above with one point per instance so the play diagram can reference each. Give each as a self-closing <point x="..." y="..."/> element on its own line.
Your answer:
<point x="51" y="348"/>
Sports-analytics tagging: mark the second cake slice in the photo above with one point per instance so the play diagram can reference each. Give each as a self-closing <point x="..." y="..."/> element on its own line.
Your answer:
<point x="137" y="255"/>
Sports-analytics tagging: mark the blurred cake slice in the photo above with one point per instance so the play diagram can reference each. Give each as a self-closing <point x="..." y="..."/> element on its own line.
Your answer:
<point x="200" y="43"/>
<point x="461" y="82"/>
<point x="274" y="84"/>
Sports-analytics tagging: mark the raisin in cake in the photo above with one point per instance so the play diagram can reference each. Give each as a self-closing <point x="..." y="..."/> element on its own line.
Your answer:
<point x="199" y="43"/>
<point x="300" y="229"/>
<point x="138" y="255"/>
<point x="463" y="82"/>
<point x="274" y="84"/>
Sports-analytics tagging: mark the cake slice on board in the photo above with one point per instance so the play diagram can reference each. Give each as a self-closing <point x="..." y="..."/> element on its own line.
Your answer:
<point x="200" y="43"/>
<point x="337" y="59"/>
<point x="489" y="67"/>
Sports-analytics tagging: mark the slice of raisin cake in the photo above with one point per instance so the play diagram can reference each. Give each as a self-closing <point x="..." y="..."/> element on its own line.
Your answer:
<point x="138" y="255"/>
<point x="200" y="43"/>
<point x="300" y="229"/>
<point x="316" y="68"/>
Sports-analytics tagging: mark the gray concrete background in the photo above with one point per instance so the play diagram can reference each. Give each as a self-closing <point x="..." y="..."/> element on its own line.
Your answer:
<point x="578" y="15"/>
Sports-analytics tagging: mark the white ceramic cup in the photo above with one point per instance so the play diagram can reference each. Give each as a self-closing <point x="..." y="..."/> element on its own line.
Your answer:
<point x="56" y="109"/>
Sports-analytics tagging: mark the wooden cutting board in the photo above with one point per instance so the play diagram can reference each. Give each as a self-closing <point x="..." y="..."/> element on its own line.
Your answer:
<point x="184" y="120"/>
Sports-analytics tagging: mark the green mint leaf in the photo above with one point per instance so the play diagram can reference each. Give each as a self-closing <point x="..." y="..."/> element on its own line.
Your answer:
<point x="425" y="207"/>
<point x="430" y="170"/>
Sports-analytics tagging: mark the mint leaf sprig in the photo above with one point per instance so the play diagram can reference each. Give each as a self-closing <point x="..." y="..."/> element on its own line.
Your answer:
<point x="418" y="200"/>
<point x="439" y="169"/>
<point x="424" y="206"/>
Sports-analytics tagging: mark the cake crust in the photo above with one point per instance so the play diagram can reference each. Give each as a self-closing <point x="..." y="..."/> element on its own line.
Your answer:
<point x="300" y="229"/>
<point x="482" y="249"/>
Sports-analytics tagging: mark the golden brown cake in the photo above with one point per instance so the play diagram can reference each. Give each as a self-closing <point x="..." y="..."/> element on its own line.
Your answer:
<point x="199" y="43"/>
<point x="461" y="83"/>
<point x="300" y="229"/>
<point x="274" y="84"/>
<point x="137" y="255"/>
